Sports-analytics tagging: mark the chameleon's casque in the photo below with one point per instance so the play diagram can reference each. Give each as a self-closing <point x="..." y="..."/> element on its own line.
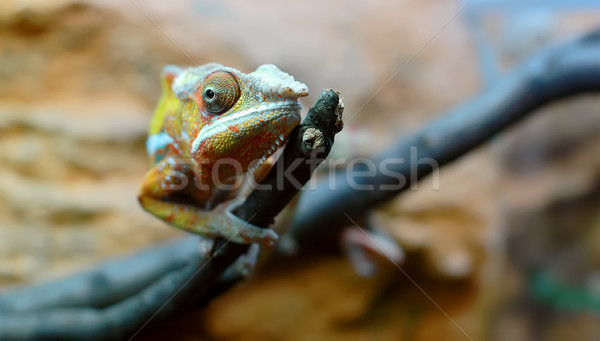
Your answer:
<point x="211" y="124"/>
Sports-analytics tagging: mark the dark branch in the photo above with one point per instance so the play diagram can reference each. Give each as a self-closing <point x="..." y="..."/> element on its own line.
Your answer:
<point x="561" y="71"/>
<point x="108" y="283"/>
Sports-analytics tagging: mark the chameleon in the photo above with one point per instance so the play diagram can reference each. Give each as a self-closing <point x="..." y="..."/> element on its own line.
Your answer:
<point x="212" y="125"/>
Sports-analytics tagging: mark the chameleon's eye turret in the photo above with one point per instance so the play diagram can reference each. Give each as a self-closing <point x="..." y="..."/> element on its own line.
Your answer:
<point x="220" y="91"/>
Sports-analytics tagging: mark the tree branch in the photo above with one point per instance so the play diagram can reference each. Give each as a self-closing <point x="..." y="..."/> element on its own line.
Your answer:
<point x="558" y="72"/>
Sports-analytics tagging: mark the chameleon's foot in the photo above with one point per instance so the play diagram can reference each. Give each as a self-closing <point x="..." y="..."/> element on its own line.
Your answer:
<point x="367" y="250"/>
<point x="205" y="245"/>
<point x="244" y="265"/>
<point x="234" y="229"/>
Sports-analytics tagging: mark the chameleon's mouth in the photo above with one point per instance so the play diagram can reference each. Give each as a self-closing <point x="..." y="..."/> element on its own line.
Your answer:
<point x="272" y="118"/>
<point x="279" y="142"/>
<point x="244" y="140"/>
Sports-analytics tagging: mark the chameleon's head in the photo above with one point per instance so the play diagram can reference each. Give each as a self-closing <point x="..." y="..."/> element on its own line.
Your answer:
<point x="230" y="114"/>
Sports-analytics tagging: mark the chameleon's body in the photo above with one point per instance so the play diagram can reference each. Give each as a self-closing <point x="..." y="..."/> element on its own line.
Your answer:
<point x="212" y="124"/>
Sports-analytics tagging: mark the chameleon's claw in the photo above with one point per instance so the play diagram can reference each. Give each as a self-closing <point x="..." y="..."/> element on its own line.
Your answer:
<point x="233" y="228"/>
<point x="244" y="265"/>
<point x="248" y="261"/>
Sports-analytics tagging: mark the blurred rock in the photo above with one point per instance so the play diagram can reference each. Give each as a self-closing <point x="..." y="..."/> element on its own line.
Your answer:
<point x="552" y="203"/>
<point x="451" y="226"/>
<point x="72" y="134"/>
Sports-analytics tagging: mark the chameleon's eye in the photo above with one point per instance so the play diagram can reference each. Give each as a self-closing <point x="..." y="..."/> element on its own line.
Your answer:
<point x="220" y="91"/>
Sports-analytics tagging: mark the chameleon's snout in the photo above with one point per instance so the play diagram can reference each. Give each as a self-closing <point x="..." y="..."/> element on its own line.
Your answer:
<point x="296" y="91"/>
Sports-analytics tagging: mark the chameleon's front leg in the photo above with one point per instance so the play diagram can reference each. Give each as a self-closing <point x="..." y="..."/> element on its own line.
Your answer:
<point x="165" y="180"/>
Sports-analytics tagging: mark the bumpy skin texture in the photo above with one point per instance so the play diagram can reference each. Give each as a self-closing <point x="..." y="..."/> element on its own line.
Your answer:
<point x="212" y="124"/>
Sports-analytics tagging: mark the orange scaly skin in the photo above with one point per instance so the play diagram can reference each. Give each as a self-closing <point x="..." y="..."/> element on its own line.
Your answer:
<point x="212" y="124"/>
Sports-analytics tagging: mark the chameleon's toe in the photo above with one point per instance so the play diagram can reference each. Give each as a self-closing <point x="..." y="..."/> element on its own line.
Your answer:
<point x="248" y="261"/>
<point x="237" y="230"/>
<point x="244" y="265"/>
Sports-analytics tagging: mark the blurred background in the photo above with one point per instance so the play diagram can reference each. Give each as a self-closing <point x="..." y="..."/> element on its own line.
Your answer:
<point x="508" y="248"/>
